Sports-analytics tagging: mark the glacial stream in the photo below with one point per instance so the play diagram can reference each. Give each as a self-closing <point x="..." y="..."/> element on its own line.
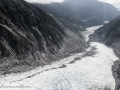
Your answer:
<point x="87" y="72"/>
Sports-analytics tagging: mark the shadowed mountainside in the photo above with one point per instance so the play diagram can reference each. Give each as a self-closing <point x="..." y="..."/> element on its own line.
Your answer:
<point x="29" y="37"/>
<point x="109" y="34"/>
<point x="76" y="13"/>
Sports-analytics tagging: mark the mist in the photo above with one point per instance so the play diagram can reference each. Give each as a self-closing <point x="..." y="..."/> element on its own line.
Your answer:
<point x="43" y="1"/>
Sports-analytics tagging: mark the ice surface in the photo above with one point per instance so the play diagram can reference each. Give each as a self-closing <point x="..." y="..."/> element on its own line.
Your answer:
<point x="88" y="73"/>
<point x="90" y="31"/>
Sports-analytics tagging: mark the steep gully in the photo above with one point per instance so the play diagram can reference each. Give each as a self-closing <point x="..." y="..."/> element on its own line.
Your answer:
<point x="90" y="70"/>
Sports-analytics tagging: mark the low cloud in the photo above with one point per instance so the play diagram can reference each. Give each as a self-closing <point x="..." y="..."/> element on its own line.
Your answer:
<point x="44" y="1"/>
<point x="110" y="1"/>
<point x="115" y="3"/>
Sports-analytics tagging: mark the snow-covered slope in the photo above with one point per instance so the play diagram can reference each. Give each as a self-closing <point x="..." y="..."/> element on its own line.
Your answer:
<point x="86" y="73"/>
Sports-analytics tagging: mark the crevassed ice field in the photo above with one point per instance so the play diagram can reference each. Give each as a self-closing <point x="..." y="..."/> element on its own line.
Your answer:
<point x="86" y="73"/>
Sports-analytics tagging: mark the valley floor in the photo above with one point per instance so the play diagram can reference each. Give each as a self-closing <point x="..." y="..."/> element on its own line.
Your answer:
<point x="90" y="72"/>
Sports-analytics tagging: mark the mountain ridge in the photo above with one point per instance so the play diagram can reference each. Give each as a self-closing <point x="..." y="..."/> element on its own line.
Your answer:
<point x="30" y="38"/>
<point x="80" y="12"/>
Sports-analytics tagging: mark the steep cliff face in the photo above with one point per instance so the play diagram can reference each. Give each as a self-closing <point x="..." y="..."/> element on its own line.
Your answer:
<point x="30" y="38"/>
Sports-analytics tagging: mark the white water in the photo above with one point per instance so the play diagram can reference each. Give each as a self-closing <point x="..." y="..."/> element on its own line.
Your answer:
<point x="88" y="73"/>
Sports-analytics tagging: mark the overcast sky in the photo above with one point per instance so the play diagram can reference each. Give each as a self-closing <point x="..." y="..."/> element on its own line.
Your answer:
<point x="115" y="3"/>
<point x="111" y="1"/>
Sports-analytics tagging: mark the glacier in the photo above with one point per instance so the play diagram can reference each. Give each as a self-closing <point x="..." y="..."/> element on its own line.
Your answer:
<point x="87" y="73"/>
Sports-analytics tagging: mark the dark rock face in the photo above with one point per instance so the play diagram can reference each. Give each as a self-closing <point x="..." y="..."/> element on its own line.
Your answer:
<point x="116" y="74"/>
<point x="29" y="37"/>
<point x="81" y="12"/>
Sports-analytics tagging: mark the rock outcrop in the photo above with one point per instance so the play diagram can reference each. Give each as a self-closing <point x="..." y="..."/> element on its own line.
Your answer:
<point x="116" y="74"/>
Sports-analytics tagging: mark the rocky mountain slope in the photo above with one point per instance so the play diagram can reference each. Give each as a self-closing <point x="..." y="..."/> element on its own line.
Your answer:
<point x="29" y="37"/>
<point x="109" y="34"/>
<point x="81" y="12"/>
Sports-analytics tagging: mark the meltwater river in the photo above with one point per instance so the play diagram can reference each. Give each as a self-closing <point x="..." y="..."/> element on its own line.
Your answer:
<point x="88" y="72"/>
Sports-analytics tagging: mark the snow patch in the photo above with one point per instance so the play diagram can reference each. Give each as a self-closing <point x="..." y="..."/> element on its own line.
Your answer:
<point x="9" y="29"/>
